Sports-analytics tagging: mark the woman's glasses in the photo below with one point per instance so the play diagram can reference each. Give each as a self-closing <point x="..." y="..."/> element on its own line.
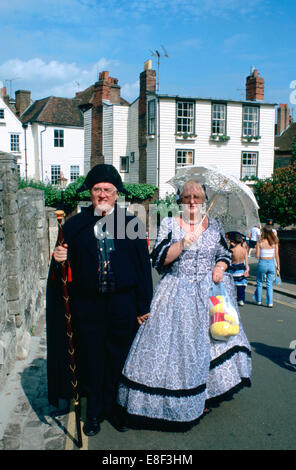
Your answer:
<point x="197" y="198"/>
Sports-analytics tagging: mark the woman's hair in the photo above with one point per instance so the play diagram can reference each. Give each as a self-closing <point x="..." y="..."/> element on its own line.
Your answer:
<point x="268" y="234"/>
<point x="194" y="183"/>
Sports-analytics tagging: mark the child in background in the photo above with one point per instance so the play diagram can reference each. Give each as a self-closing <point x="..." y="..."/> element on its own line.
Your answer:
<point x="240" y="266"/>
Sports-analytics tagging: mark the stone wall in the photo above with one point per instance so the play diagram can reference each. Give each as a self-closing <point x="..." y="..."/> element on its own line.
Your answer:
<point x="23" y="264"/>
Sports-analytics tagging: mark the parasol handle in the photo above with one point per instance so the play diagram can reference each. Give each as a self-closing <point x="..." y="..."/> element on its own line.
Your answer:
<point x="212" y="203"/>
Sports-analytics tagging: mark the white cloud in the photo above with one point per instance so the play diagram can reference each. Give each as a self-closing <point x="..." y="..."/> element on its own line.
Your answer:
<point x="53" y="77"/>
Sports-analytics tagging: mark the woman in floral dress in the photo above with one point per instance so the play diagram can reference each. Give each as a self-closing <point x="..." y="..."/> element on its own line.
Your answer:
<point x="174" y="367"/>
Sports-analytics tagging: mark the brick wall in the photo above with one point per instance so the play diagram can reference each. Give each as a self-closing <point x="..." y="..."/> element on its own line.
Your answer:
<point x="287" y="254"/>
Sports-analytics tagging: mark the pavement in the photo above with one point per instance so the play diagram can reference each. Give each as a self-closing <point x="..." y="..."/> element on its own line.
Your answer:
<point x="28" y="422"/>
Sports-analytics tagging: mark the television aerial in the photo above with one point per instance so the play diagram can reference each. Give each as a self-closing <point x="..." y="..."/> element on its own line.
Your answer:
<point x="10" y="80"/>
<point x="158" y="54"/>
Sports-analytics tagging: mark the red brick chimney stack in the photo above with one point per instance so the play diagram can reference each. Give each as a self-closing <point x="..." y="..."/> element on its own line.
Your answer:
<point x="255" y="87"/>
<point x="284" y="118"/>
<point x="22" y="101"/>
<point x="3" y="91"/>
<point x="106" y="88"/>
<point x="147" y="84"/>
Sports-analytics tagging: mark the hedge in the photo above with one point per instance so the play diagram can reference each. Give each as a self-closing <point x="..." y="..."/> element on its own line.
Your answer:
<point x="55" y="197"/>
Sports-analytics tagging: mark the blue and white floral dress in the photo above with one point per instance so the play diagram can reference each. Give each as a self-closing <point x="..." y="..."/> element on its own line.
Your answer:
<point x="174" y="366"/>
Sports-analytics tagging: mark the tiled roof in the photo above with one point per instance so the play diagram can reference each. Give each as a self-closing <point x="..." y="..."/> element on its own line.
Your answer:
<point x="86" y="97"/>
<point x="56" y="111"/>
<point x="283" y="143"/>
<point x="61" y="111"/>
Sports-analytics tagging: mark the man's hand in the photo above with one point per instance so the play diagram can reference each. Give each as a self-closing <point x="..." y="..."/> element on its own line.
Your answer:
<point x="60" y="253"/>
<point x="142" y="318"/>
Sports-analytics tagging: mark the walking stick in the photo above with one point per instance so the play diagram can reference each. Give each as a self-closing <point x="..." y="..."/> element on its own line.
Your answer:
<point x="59" y="214"/>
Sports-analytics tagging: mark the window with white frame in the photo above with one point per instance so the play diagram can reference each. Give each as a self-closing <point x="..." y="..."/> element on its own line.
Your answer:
<point x="124" y="164"/>
<point x="151" y="117"/>
<point x="55" y="174"/>
<point x="58" y="137"/>
<point x="250" y="121"/>
<point x="218" y="118"/>
<point x="14" y="142"/>
<point x="249" y="164"/>
<point x="74" y="173"/>
<point x="1" y="113"/>
<point x="184" y="157"/>
<point x="185" y="117"/>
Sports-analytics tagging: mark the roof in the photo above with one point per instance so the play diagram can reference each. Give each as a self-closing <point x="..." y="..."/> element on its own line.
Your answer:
<point x="56" y="111"/>
<point x="85" y="98"/>
<point x="283" y="142"/>
<point x="220" y="100"/>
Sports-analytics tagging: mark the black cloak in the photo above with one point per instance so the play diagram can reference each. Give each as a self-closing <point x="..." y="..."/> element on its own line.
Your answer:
<point x="131" y="266"/>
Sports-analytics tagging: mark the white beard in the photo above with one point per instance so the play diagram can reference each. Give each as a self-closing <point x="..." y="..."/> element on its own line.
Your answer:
<point x="103" y="207"/>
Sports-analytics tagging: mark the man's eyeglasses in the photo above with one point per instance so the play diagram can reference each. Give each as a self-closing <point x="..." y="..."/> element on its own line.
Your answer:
<point x="107" y="191"/>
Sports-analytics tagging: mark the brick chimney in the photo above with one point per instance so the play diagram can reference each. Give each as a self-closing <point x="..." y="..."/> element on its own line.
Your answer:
<point x="255" y="87"/>
<point x="106" y="88"/>
<point x="22" y="101"/>
<point x="147" y="84"/>
<point x="284" y="118"/>
<point x="3" y="91"/>
<point x="4" y="95"/>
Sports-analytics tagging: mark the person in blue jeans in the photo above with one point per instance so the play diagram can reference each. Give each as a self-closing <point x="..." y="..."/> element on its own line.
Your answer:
<point x="267" y="251"/>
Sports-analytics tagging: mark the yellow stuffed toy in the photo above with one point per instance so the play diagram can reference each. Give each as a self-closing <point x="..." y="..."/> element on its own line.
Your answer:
<point x="224" y="318"/>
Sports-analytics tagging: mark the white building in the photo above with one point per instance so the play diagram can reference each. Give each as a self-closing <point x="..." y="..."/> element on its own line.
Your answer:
<point x="54" y="137"/>
<point x="148" y="140"/>
<point x="11" y="129"/>
<point x="236" y="136"/>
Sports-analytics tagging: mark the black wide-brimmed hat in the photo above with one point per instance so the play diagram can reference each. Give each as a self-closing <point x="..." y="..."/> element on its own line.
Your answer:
<point x="103" y="173"/>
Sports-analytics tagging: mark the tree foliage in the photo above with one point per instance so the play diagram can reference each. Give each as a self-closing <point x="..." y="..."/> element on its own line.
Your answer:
<point x="276" y="196"/>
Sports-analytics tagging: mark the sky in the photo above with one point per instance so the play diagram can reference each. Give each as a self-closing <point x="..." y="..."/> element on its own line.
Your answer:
<point x="57" y="48"/>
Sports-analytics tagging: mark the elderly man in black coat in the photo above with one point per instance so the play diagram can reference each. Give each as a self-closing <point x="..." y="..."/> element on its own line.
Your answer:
<point x="110" y="295"/>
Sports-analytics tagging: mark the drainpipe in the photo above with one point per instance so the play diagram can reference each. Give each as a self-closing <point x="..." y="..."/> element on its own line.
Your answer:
<point x="158" y="142"/>
<point x="26" y="161"/>
<point x="41" y="152"/>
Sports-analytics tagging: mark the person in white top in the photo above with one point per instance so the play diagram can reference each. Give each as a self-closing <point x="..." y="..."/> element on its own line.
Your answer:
<point x="267" y="251"/>
<point x="254" y="236"/>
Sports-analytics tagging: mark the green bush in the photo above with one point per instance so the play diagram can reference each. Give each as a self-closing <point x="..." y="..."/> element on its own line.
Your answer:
<point x="55" y="197"/>
<point x="167" y="203"/>
<point x="276" y="196"/>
